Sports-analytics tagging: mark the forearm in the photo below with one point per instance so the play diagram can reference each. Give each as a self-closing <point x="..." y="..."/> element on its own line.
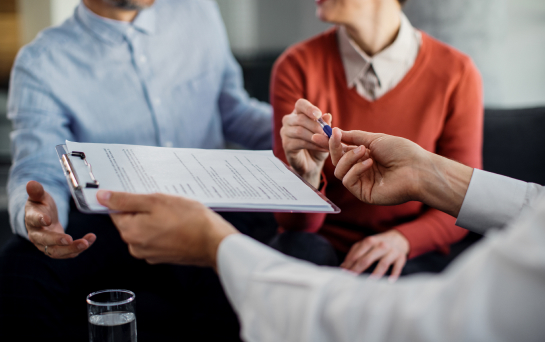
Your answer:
<point x="480" y="200"/>
<point x="278" y="298"/>
<point x="16" y="207"/>
<point x="442" y="183"/>
<point x="245" y="121"/>
<point x="248" y="122"/>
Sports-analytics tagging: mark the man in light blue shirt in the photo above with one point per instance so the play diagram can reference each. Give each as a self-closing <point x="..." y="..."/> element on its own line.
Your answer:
<point x="120" y="71"/>
<point x="167" y="78"/>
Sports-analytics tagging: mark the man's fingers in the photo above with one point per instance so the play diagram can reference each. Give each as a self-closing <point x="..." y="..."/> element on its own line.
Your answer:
<point x="135" y="252"/>
<point x="46" y="237"/>
<point x="36" y="218"/>
<point x="360" y="137"/>
<point x="126" y="202"/>
<point x="123" y="220"/>
<point x="91" y="238"/>
<point x="348" y="160"/>
<point x="303" y="106"/>
<point x="131" y="226"/>
<point x="335" y="146"/>
<point x="35" y="191"/>
<point x="347" y="148"/>
<point x="65" y="252"/>
<point x="355" y="174"/>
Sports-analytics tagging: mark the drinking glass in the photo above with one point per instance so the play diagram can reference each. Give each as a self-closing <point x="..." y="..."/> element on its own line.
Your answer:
<point x="111" y="316"/>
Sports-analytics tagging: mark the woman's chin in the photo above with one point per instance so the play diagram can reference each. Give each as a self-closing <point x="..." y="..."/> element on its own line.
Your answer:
<point x="322" y="14"/>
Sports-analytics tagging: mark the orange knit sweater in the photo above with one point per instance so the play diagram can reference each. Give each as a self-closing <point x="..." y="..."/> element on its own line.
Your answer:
<point x="438" y="105"/>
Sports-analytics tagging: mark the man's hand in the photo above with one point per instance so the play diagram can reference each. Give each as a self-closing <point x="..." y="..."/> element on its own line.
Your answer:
<point x="167" y="229"/>
<point x="44" y="228"/>
<point x="388" y="248"/>
<point x="397" y="170"/>
<point x="388" y="177"/>
<point x="305" y="155"/>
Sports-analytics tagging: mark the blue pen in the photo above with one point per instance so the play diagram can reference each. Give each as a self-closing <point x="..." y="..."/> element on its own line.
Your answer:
<point x="327" y="129"/>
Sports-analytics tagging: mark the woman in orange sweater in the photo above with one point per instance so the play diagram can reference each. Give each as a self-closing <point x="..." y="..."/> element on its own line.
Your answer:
<point x="374" y="72"/>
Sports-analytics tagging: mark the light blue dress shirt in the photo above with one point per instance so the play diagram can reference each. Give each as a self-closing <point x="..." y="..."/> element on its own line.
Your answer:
<point x="166" y="79"/>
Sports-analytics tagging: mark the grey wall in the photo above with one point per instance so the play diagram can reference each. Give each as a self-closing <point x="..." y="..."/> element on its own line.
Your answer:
<point x="505" y="38"/>
<point x="268" y="26"/>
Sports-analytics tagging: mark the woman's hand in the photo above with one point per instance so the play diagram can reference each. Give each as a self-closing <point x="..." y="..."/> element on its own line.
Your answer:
<point x="387" y="249"/>
<point x="305" y="154"/>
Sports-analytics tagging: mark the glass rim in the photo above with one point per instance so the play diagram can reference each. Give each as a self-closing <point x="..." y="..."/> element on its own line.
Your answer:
<point x="121" y="302"/>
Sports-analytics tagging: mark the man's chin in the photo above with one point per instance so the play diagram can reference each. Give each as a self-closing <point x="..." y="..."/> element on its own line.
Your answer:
<point x="130" y="4"/>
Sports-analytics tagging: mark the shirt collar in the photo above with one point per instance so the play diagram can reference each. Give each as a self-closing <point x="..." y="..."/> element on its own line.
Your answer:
<point x="402" y="51"/>
<point x="115" y="31"/>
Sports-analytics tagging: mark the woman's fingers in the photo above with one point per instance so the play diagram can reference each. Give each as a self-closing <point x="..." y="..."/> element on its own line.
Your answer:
<point x="299" y="120"/>
<point x="357" y="251"/>
<point x="385" y="263"/>
<point x="303" y="106"/>
<point x="297" y="145"/>
<point x="396" y="269"/>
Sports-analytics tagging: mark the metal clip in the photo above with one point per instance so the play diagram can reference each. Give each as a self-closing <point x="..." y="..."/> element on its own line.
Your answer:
<point x="72" y="172"/>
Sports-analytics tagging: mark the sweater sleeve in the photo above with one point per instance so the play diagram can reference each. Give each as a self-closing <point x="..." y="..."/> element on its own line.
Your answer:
<point x="287" y="86"/>
<point x="461" y="140"/>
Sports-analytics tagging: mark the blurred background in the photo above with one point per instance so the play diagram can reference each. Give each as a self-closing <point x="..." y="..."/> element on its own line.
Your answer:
<point x="505" y="38"/>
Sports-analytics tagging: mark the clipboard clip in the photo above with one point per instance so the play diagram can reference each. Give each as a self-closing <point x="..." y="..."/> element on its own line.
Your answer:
<point x="72" y="172"/>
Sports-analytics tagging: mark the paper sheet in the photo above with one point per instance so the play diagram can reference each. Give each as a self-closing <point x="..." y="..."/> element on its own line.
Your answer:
<point x="234" y="179"/>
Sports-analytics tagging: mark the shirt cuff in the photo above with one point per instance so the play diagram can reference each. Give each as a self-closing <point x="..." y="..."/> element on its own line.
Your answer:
<point x="491" y="201"/>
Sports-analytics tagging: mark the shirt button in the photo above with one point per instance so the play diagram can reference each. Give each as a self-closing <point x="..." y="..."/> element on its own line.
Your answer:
<point x="168" y="144"/>
<point x="143" y="59"/>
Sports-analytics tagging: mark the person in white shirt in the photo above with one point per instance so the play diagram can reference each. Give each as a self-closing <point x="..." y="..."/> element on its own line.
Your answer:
<point x="494" y="292"/>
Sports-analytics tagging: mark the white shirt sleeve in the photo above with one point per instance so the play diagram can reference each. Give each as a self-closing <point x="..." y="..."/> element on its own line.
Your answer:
<point x="492" y="201"/>
<point x="494" y="292"/>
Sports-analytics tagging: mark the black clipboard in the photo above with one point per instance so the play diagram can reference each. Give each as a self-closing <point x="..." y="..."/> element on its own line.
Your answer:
<point x="74" y="162"/>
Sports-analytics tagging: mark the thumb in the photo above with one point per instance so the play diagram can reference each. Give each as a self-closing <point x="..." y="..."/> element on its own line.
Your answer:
<point x="35" y="191"/>
<point x="360" y="137"/>
<point x="123" y="201"/>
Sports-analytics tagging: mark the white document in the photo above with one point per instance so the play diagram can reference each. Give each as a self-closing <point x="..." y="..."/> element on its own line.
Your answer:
<point x="220" y="179"/>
